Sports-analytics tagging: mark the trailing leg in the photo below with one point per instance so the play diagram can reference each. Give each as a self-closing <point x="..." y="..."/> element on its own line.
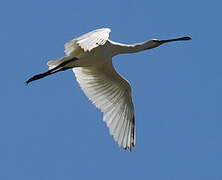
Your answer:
<point x="58" y="68"/>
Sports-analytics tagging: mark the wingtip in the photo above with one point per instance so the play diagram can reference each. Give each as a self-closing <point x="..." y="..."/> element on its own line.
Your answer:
<point x="129" y="148"/>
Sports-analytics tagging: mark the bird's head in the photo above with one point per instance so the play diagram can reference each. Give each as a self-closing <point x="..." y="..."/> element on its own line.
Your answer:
<point x="156" y="42"/>
<point x="152" y="43"/>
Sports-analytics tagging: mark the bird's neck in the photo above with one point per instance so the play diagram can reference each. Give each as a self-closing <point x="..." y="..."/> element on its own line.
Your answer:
<point x="120" y="48"/>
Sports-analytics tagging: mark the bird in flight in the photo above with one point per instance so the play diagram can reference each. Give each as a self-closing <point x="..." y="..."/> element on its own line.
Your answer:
<point x="90" y="58"/>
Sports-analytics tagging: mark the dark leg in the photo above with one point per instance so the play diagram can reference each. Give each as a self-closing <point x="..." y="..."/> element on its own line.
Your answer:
<point x="56" y="69"/>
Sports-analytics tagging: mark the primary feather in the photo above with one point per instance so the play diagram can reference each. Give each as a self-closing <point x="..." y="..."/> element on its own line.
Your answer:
<point x="109" y="92"/>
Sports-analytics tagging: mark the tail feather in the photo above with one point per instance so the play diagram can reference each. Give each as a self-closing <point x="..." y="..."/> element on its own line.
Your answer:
<point x="54" y="63"/>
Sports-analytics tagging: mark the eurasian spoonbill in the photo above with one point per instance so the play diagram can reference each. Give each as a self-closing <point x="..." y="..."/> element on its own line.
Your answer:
<point x="90" y="58"/>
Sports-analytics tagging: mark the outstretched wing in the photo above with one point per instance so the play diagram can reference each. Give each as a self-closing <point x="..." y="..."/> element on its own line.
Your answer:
<point x="88" y="41"/>
<point x="109" y="92"/>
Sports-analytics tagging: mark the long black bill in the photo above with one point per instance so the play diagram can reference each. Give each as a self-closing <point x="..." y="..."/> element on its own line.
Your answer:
<point x="177" y="39"/>
<point x="60" y="67"/>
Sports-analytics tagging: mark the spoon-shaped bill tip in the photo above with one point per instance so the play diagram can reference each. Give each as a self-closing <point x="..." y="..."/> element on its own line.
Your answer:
<point x="186" y="38"/>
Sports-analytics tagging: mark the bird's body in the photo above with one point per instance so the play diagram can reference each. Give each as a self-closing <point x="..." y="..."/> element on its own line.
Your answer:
<point x="96" y="56"/>
<point x="90" y="57"/>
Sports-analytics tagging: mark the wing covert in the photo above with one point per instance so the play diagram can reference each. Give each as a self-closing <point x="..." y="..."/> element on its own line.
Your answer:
<point x="88" y="41"/>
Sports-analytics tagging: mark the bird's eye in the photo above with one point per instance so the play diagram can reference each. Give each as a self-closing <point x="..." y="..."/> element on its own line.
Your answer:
<point x="155" y="40"/>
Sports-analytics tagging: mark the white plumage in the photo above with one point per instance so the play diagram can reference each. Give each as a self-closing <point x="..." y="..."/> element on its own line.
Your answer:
<point x="88" y="41"/>
<point x="109" y="92"/>
<point x="90" y="57"/>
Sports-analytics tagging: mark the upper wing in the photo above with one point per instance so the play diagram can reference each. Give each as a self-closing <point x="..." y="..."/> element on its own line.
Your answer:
<point x="88" y="41"/>
<point x="109" y="92"/>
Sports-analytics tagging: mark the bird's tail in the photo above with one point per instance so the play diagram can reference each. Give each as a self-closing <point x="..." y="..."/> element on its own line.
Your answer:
<point x="54" y="63"/>
<point x="54" y="67"/>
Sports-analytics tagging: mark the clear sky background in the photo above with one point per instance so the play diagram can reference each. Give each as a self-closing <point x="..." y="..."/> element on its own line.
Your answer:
<point x="49" y="130"/>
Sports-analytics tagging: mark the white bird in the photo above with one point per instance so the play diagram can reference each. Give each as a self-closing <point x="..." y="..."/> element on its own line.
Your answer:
<point x="90" y="58"/>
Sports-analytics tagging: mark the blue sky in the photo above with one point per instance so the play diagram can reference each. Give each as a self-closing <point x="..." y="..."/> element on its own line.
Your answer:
<point x="49" y="130"/>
